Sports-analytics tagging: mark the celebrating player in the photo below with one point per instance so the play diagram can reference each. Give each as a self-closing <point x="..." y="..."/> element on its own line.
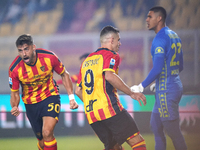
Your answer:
<point x="33" y="69"/>
<point x="97" y="87"/>
<point x="167" y="59"/>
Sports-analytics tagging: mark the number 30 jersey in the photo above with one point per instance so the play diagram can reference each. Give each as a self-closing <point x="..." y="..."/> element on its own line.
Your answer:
<point x="100" y="98"/>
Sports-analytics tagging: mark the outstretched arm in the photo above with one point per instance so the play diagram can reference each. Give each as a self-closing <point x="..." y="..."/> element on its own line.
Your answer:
<point x="119" y="84"/>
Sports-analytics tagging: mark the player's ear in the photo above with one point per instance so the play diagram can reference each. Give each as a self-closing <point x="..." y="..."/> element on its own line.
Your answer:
<point x="112" y="40"/>
<point x="159" y="18"/>
<point x="34" y="47"/>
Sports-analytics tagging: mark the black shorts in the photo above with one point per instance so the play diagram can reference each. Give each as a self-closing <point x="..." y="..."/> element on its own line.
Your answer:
<point x="116" y="129"/>
<point x="48" y="107"/>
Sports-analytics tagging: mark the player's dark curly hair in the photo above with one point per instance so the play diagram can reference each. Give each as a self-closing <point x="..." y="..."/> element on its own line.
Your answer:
<point x="24" y="39"/>
<point x="160" y="10"/>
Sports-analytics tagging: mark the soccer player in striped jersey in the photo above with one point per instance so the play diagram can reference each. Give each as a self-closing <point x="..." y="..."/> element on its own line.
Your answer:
<point x="167" y="59"/>
<point x="97" y="87"/>
<point x="33" y="70"/>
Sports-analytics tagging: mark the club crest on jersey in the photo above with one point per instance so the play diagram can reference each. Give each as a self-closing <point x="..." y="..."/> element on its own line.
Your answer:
<point x="42" y="68"/>
<point x="112" y="62"/>
<point x="159" y="50"/>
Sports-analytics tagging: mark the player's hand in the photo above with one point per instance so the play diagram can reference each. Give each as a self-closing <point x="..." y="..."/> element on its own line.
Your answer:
<point x="139" y="97"/>
<point x="153" y="87"/>
<point x="137" y="88"/>
<point x="73" y="104"/>
<point x="15" y="111"/>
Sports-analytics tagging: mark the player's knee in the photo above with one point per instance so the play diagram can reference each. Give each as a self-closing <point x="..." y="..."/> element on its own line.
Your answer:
<point x="47" y="133"/>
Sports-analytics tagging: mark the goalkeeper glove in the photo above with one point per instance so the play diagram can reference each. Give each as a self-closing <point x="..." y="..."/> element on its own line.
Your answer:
<point x="153" y="87"/>
<point x="137" y="88"/>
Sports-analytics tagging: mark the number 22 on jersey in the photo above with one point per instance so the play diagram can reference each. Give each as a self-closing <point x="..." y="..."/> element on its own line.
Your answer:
<point x="177" y="50"/>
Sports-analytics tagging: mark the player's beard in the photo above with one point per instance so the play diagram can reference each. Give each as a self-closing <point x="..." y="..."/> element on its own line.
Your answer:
<point x="151" y="28"/>
<point x="32" y="59"/>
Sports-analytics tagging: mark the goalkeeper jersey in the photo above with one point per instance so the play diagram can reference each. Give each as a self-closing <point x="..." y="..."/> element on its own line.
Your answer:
<point x="100" y="98"/>
<point x="167" y="56"/>
<point x="36" y="80"/>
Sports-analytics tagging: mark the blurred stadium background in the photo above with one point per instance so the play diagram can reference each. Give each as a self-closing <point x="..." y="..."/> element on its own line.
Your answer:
<point x="71" y="28"/>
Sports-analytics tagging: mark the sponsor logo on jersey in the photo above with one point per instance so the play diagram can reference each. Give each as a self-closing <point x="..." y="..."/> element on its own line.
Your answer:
<point x="112" y="61"/>
<point x="10" y="81"/>
<point x="90" y="106"/>
<point x="159" y="50"/>
<point x="26" y="72"/>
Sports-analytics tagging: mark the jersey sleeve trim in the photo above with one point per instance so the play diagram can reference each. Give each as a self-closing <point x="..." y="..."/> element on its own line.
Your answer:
<point x="62" y="71"/>
<point x="15" y="64"/>
<point x="108" y="69"/>
<point x="14" y="90"/>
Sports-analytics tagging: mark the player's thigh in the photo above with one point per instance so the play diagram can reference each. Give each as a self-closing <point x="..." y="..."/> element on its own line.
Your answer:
<point x="104" y="134"/>
<point x="50" y="113"/>
<point x="167" y="104"/>
<point x="48" y="123"/>
<point x="173" y="99"/>
<point x="122" y="126"/>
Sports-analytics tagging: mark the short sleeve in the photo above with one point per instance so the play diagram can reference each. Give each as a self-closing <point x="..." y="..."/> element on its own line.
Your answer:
<point x="13" y="81"/>
<point x="57" y="65"/>
<point x="111" y="62"/>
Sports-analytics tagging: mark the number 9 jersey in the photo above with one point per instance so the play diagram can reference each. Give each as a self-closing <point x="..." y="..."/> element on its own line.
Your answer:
<point x="100" y="98"/>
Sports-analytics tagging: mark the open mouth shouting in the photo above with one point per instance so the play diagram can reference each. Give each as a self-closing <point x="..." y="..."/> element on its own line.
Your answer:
<point x="26" y="59"/>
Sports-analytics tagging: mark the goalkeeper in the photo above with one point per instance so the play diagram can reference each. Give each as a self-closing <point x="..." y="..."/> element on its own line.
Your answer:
<point x="167" y="59"/>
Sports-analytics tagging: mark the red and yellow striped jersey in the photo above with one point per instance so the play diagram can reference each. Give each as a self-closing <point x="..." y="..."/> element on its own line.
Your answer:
<point x="36" y="80"/>
<point x="100" y="98"/>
